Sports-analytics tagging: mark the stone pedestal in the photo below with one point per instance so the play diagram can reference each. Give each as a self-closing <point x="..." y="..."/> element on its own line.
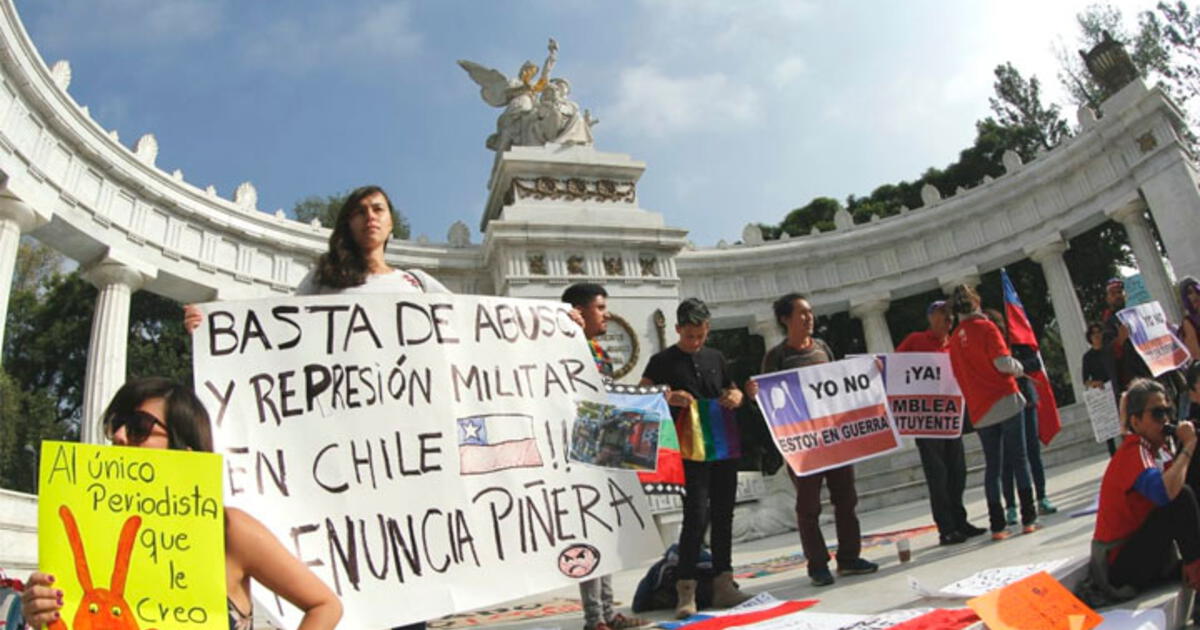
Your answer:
<point x="110" y="333"/>
<point x="560" y="215"/>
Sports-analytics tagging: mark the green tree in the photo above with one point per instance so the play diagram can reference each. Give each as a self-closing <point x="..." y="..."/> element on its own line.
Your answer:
<point x="1018" y="106"/>
<point x="325" y="208"/>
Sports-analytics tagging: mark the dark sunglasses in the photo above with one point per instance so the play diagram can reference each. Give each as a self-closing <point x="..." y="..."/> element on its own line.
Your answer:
<point x="1162" y="414"/>
<point x="138" y="426"/>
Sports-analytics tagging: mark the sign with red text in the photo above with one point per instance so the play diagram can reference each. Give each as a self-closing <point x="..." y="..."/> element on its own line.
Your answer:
<point x="924" y="396"/>
<point x="828" y="415"/>
<point x="1152" y="337"/>
<point x="414" y="448"/>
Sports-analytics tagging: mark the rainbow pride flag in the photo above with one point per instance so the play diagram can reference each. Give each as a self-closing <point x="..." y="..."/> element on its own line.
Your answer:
<point x="708" y="432"/>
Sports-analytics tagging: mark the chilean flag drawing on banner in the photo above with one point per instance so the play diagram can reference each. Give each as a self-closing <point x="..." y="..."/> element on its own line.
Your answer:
<point x="1020" y="332"/>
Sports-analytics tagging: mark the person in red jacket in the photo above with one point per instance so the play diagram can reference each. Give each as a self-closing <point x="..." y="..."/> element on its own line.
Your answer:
<point x="943" y="460"/>
<point x="1147" y="513"/>
<point x="985" y="371"/>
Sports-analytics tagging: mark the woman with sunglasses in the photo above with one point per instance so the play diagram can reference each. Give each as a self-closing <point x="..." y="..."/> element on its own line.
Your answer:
<point x="160" y="413"/>
<point x="1146" y="508"/>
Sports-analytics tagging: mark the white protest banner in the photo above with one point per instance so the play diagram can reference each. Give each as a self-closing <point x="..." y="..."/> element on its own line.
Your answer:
<point x="413" y="450"/>
<point x="1152" y="337"/>
<point x="828" y="415"/>
<point x="1102" y="409"/>
<point x="924" y="396"/>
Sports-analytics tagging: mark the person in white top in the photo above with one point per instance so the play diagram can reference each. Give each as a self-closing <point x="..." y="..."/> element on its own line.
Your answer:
<point x="355" y="263"/>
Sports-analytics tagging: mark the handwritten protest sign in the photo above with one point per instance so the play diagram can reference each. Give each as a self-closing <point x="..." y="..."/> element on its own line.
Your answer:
<point x="134" y="537"/>
<point x="1038" y="602"/>
<point x="1152" y="337"/>
<point x="415" y="449"/>
<point x="828" y="415"/>
<point x="1102" y="409"/>
<point x="924" y="396"/>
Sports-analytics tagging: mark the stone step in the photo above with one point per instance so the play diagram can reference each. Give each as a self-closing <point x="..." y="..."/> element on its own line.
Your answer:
<point x="899" y="478"/>
<point x="18" y="533"/>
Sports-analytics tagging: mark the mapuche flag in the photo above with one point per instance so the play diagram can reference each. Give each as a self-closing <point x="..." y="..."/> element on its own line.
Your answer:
<point x="1021" y="332"/>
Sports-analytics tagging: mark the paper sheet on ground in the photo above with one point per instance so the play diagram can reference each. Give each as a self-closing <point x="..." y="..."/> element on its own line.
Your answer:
<point x="987" y="580"/>
<point x="1038" y="602"/>
<point x="414" y="448"/>
<point x="1091" y="508"/>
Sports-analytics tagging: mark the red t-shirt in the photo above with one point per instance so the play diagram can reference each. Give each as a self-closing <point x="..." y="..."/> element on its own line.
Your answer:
<point x="1123" y="506"/>
<point x="974" y="344"/>
<point x="924" y="341"/>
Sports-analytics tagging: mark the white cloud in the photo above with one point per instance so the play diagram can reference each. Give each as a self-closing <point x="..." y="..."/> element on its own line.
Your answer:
<point x="658" y="105"/>
<point x="788" y="70"/>
<point x="130" y="23"/>
<point x="335" y="38"/>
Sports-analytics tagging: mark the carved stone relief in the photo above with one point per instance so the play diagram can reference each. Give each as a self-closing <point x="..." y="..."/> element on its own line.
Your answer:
<point x="537" y="264"/>
<point x="575" y="265"/>
<point x="614" y="265"/>
<point x="573" y="189"/>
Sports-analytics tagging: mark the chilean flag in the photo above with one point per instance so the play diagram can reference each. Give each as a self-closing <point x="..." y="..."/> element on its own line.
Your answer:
<point x="1020" y="332"/>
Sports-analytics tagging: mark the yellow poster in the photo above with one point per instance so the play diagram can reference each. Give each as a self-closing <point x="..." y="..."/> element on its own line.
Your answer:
<point x="135" y="537"/>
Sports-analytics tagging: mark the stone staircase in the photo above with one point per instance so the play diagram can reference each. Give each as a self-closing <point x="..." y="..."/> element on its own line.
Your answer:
<point x="898" y="478"/>
<point x="18" y="533"/>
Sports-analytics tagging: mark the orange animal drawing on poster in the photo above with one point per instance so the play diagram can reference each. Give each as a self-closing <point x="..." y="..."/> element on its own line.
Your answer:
<point x="101" y="608"/>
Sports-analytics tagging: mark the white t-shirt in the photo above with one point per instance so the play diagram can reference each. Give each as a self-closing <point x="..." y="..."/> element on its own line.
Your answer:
<point x="395" y="281"/>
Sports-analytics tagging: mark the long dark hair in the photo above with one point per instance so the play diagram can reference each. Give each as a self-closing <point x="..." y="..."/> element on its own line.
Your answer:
<point x="187" y="421"/>
<point x="345" y="264"/>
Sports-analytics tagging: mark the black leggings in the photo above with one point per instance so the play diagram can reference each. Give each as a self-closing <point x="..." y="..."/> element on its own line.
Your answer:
<point x="1144" y="559"/>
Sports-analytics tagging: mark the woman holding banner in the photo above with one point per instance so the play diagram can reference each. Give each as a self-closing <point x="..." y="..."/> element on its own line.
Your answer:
<point x="985" y="371"/>
<point x="354" y="262"/>
<point x="159" y="413"/>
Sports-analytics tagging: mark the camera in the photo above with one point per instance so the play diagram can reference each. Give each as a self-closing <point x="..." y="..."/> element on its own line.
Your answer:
<point x="1169" y="429"/>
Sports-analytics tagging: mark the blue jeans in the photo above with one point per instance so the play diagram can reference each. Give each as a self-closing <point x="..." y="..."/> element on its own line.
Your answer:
<point x="1033" y="453"/>
<point x="1003" y="443"/>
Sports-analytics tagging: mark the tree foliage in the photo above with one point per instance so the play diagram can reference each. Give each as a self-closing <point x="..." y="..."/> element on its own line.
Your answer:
<point x="47" y="336"/>
<point x="325" y="208"/>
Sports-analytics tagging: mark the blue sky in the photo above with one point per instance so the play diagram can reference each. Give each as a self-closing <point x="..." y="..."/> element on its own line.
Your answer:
<point x="742" y="110"/>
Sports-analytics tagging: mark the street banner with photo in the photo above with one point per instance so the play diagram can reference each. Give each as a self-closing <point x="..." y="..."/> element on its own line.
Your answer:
<point x="828" y="415"/>
<point x="1020" y="332"/>
<point x="667" y="477"/>
<point x="923" y="394"/>
<point x="416" y="448"/>
<point x="622" y="432"/>
<point x="1102" y="410"/>
<point x="1154" y="339"/>
<point x="135" y="537"/>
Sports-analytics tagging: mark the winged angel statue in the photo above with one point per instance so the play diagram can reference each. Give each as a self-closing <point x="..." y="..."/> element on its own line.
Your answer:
<point x="534" y="112"/>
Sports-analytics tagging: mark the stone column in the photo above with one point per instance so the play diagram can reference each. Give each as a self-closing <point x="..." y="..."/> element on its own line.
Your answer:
<point x="1149" y="261"/>
<point x="1067" y="312"/>
<point x="15" y="217"/>
<point x="110" y="333"/>
<point x="1174" y="200"/>
<point x="766" y="327"/>
<point x="968" y="277"/>
<point x="875" y="327"/>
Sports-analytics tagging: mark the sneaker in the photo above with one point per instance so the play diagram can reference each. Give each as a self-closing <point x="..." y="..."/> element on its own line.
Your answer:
<point x="1046" y="507"/>
<point x="857" y="566"/>
<point x="621" y="622"/>
<point x="1030" y="528"/>
<point x="1001" y="535"/>
<point x="953" y="538"/>
<point x="970" y="531"/>
<point x="820" y="577"/>
<point x="1010" y="515"/>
